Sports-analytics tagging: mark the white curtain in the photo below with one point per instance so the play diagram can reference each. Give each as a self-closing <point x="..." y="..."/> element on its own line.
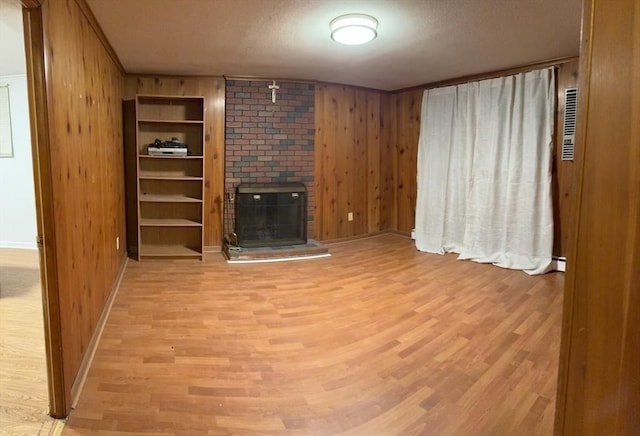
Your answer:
<point x="484" y="171"/>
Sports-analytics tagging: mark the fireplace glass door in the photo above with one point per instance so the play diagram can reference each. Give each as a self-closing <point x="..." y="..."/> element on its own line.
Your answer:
<point x="271" y="214"/>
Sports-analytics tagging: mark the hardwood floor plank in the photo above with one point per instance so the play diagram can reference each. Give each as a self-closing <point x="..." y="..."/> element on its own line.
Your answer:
<point x="23" y="376"/>
<point x="377" y="339"/>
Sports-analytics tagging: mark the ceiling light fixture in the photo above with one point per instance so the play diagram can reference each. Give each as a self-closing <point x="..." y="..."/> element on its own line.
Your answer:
<point x="354" y="29"/>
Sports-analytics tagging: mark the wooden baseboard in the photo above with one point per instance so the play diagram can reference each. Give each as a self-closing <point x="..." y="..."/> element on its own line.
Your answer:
<point x="368" y="235"/>
<point x="400" y="233"/>
<point x="211" y="249"/>
<point x="81" y="376"/>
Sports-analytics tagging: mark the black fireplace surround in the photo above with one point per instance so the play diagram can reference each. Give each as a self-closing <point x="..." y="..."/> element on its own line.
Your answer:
<point x="271" y="214"/>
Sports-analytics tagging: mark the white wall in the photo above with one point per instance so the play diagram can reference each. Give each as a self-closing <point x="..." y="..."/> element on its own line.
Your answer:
<point x="17" y="199"/>
<point x="12" y="57"/>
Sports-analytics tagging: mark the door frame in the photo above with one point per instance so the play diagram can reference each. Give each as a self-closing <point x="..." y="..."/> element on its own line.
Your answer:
<point x="36" y="57"/>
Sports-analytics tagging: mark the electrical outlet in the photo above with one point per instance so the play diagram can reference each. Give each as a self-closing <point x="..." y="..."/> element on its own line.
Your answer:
<point x="350" y="216"/>
<point x="117" y="242"/>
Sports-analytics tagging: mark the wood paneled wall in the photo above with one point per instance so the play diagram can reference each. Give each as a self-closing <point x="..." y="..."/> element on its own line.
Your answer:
<point x="563" y="187"/>
<point x="401" y="133"/>
<point x="389" y="168"/>
<point x="348" y="162"/>
<point x="599" y="385"/>
<point x="213" y="90"/>
<point x="84" y="91"/>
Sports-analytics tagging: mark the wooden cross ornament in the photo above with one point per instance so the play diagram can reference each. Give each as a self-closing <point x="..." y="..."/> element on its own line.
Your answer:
<point x="273" y="87"/>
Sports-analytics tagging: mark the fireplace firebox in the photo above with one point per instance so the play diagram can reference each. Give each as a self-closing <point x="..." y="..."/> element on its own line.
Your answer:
<point x="271" y="214"/>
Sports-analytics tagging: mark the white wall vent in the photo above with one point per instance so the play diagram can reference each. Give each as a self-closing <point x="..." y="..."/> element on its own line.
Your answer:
<point x="569" y="129"/>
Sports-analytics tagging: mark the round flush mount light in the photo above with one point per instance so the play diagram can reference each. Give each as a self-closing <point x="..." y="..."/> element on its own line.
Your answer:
<point x="354" y="29"/>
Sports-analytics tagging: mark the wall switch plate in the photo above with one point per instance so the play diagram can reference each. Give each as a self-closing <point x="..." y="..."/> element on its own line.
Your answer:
<point x="350" y="216"/>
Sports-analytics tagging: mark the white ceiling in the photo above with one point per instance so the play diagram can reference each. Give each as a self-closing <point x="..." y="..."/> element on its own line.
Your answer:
<point x="419" y="41"/>
<point x="12" y="57"/>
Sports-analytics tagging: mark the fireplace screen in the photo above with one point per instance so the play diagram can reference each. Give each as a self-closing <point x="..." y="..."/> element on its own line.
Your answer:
<point x="271" y="214"/>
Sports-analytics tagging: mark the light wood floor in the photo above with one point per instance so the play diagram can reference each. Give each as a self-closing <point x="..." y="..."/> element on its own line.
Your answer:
<point x="379" y="339"/>
<point x="23" y="377"/>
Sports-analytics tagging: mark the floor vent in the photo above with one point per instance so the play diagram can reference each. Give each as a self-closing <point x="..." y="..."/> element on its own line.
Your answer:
<point x="569" y="129"/>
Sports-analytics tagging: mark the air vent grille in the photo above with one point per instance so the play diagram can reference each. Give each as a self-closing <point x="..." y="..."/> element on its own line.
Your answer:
<point x="569" y="128"/>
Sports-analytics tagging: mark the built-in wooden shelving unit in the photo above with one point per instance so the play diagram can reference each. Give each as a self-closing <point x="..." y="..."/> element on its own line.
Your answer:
<point x="168" y="188"/>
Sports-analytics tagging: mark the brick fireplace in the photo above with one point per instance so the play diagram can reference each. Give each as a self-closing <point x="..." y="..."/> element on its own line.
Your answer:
<point x="268" y="142"/>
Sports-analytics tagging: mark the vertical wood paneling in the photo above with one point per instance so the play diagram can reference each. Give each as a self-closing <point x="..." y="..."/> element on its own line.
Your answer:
<point x="389" y="162"/>
<point x="348" y="161"/>
<point x="407" y="132"/>
<point x="344" y="163"/>
<point x="373" y="168"/>
<point x="599" y="387"/>
<point x="84" y="89"/>
<point x="319" y="180"/>
<point x="213" y="91"/>
<point x="326" y="105"/>
<point x="563" y="188"/>
<point x="329" y="222"/>
<point x="359" y="176"/>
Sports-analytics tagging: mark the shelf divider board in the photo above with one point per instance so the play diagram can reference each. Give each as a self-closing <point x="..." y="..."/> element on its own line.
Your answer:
<point x="171" y="121"/>
<point x="170" y="251"/>
<point x="152" y="177"/>
<point x="169" y="222"/>
<point x="158" y="198"/>
<point x="166" y="156"/>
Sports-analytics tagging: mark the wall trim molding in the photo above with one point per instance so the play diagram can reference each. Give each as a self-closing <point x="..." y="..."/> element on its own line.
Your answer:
<point x="447" y="82"/>
<point x="490" y="74"/>
<point x="81" y="377"/>
<point x="31" y="4"/>
<point x="167" y="76"/>
<point x="266" y="79"/>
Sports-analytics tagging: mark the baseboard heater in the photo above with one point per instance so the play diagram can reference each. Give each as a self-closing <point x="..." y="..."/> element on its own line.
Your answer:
<point x="559" y="263"/>
<point x="271" y="214"/>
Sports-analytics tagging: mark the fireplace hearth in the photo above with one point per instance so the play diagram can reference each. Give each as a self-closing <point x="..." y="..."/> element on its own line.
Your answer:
<point x="271" y="214"/>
